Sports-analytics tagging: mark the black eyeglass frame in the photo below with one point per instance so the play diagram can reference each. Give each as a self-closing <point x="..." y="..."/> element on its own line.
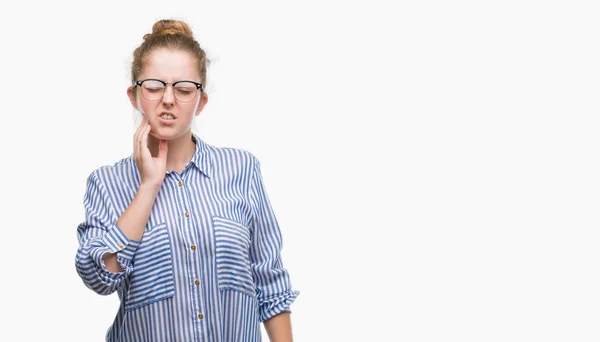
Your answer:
<point x="139" y="83"/>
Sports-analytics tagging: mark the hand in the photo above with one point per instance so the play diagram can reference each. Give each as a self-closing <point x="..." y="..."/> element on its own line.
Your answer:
<point x="152" y="169"/>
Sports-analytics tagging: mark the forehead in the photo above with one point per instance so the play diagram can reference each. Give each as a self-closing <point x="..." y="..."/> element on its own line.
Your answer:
<point x="170" y="65"/>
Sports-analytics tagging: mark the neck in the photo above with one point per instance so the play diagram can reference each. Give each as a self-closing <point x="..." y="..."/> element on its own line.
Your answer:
<point x="180" y="152"/>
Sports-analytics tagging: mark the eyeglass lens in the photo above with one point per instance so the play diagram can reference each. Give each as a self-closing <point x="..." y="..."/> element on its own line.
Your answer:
<point x="183" y="91"/>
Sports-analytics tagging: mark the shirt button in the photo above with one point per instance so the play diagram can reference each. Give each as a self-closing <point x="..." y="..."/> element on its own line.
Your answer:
<point x="197" y="282"/>
<point x="186" y="214"/>
<point x="180" y="184"/>
<point x="201" y="316"/>
<point x="121" y="246"/>
<point x="193" y="247"/>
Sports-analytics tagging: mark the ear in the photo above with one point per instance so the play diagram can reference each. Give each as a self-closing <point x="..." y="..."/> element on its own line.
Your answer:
<point x="131" y="96"/>
<point x="203" y="102"/>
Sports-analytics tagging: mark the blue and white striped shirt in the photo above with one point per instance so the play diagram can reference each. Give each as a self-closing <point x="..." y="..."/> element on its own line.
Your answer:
<point x="208" y="267"/>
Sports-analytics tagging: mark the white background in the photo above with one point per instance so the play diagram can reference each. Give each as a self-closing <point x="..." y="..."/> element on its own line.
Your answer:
<point x="433" y="164"/>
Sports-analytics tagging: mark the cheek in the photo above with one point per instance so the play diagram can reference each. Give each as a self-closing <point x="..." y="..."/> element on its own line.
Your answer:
<point x="189" y="109"/>
<point x="196" y="105"/>
<point x="144" y="107"/>
<point x="140" y="105"/>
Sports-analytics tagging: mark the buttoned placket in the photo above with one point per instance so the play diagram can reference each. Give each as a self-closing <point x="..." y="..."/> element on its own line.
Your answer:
<point x="189" y="236"/>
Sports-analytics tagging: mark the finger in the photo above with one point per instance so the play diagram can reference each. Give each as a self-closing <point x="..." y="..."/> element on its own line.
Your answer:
<point x="144" y="139"/>
<point x="140" y="141"/>
<point x="141" y="126"/>
<point x="163" y="149"/>
<point x="136" y="136"/>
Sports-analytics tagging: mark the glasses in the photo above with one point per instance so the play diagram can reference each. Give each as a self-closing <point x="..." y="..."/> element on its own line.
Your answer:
<point x="153" y="90"/>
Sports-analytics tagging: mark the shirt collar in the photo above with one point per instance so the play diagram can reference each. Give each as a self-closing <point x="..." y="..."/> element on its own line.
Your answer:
<point x="202" y="158"/>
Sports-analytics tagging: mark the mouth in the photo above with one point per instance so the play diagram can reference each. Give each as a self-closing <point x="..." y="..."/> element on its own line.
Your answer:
<point x="167" y="116"/>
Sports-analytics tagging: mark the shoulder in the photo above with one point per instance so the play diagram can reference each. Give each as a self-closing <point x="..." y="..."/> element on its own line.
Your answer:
<point x="109" y="173"/>
<point x="236" y="158"/>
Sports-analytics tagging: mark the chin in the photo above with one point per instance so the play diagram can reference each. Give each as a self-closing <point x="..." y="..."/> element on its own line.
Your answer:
<point x="164" y="134"/>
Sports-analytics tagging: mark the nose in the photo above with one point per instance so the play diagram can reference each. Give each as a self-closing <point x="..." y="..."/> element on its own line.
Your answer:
<point x="168" y="96"/>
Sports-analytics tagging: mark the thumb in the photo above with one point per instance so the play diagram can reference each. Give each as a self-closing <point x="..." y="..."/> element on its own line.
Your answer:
<point x="163" y="149"/>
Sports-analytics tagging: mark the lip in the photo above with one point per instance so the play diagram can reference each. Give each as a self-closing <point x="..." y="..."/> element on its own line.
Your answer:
<point x="165" y="121"/>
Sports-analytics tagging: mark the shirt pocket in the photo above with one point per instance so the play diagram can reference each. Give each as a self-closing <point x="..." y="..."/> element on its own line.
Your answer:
<point x="152" y="277"/>
<point x="232" y="250"/>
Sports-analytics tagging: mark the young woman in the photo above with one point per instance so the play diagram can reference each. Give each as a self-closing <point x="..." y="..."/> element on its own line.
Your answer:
<point x="183" y="231"/>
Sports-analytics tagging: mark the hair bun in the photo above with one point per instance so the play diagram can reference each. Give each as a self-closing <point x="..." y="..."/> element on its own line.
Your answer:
<point x="168" y="26"/>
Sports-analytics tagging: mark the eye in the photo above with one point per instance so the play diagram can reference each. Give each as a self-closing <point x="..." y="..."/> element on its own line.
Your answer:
<point x="183" y="91"/>
<point x="154" y="89"/>
<point x="153" y="86"/>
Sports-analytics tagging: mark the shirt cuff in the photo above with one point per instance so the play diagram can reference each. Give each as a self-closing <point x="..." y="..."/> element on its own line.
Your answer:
<point x="117" y="242"/>
<point x="272" y="306"/>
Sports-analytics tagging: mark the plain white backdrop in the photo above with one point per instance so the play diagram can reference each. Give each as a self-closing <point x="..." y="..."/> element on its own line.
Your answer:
<point x="433" y="165"/>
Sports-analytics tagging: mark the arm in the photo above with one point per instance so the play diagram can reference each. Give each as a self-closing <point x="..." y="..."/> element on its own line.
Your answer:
<point x="152" y="173"/>
<point x="133" y="221"/>
<point x="274" y="288"/>
<point x="279" y="327"/>
<point x="107" y="245"/>
<point x="100" y="234"/>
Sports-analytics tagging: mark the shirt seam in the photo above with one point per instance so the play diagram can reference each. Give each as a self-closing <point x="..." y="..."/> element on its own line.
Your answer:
<point x="250" y="183"/>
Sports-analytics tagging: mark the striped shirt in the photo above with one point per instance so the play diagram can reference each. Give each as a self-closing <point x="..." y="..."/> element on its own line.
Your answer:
<point x="208" y="267"/>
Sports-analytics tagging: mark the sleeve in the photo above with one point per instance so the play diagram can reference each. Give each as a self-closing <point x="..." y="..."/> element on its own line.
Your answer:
<point x="100" y="234"/>
<point x="274" y="288"/>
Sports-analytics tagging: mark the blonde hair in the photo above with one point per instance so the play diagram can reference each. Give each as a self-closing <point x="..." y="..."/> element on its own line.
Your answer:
<point x="170" y="34"/>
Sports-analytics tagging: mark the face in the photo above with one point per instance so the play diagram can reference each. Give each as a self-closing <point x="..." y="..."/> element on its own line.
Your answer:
<point x="168" y="117"/>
